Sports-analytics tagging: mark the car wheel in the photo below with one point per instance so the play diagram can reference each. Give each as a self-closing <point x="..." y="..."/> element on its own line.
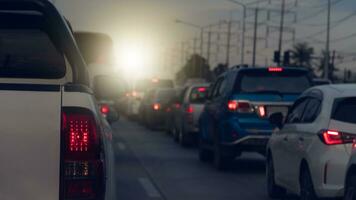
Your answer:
<point x="175" y="134"/>
<point x="221" y="162"/>
<point x="205" y="155"/>
<point x="350" y="189"/>
<point x="273" y="190"/>
<point x="183" y="138"/>
<point x="306" y="186"/>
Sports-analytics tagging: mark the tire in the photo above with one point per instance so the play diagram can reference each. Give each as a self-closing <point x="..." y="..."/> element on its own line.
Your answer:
<point x="307" y="191"/>
<point x="175" y="134"/>
<point x="350" y="188"/>
<point x="273" y="190"/>
<point x="184" y="139"/>
<point x="221" y="161"/>
<point x="205" y="155"/>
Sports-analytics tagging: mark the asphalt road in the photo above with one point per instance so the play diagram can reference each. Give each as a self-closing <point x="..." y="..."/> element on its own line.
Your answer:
<point x="149" y="165"/>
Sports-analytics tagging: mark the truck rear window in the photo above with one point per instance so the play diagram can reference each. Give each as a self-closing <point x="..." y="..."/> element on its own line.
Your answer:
<point x="198" y="95"/>
<point x="29" y="53"/>
<point x="274" y="82"/>
<point x="344" y="110"/>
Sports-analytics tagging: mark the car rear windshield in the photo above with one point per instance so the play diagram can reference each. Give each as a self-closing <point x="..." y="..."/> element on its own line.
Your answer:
<point x="344" y="110"/>
<point x="144" y="85"/>
<point x="29" y="53"/>
<point x="166" y="95"/>
<point x="198" y="95"/>
<point x="281" y="82"/>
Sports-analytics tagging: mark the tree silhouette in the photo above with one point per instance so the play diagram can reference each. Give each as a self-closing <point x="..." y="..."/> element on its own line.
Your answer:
<point x="302" y="55"/>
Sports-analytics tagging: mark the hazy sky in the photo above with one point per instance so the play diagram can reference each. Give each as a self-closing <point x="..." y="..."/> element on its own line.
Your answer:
<point x="151" y="22"/>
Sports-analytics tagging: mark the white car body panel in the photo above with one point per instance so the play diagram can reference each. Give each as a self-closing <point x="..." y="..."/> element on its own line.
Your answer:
<point x="30" y="144"/>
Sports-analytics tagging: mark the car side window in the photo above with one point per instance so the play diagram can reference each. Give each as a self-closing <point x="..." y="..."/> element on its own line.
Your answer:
<point x="222" y="87"/>
<point x="312" y="110"/>
<point x="296" y="112"/>
<point x="216" y="88"/>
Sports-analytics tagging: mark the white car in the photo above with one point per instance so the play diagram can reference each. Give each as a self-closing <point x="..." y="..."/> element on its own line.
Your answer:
<point x="309" y="154"/>
<point x="350" y="176"/>
<point x="54" y="142"/>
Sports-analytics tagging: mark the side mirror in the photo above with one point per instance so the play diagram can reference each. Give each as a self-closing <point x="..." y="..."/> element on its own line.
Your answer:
<point x="276" y="119"/>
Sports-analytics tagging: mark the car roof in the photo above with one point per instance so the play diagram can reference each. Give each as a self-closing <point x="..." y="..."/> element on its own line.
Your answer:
<point x="337" y="90"/>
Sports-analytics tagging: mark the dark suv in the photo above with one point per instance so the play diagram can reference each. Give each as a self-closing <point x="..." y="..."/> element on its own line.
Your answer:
<point x="235" y="117"/>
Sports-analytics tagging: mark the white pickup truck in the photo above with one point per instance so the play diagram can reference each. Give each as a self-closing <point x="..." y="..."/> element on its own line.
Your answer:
<point x="54" y="143"/>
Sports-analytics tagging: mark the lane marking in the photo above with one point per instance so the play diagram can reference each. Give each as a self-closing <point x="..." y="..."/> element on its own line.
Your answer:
<point x="121" y="146"/>
<point x="150" y="189"/>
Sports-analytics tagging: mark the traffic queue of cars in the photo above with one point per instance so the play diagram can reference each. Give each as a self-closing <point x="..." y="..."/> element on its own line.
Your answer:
<point x="306" y="133"/>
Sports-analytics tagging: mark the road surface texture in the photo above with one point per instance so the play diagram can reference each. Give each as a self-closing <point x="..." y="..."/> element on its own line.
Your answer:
<point x="149" y="165"/>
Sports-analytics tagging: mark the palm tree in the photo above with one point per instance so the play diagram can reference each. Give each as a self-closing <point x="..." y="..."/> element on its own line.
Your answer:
<point x="332" y="68"/>
<point x="302" y="55"/>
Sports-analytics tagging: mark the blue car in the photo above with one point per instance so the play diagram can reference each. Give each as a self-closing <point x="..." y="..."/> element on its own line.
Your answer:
<point x="235" y="117"/>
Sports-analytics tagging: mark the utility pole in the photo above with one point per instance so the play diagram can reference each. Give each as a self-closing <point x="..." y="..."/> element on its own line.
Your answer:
<point x="201" y="41"/>
<point x="327" y="49"/>
<point x="182" y="53"/>
<point x="195" y="41"/>
<point x="243" y="36"/>
<point x="281" y="29"/>
<point x="209" y="47"/>
<point x="228" y="46"/>
<point x="255" y="39"/>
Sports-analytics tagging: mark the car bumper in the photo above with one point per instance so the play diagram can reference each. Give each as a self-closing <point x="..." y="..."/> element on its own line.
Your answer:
<point x="251" y="143"/>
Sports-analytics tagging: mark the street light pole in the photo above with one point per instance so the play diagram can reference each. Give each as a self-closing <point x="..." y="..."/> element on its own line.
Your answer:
<point x="228" y="46"/>
<point x="255" y="38"/>
<point x="327" y="49"/>
<point x="281" y="30"/>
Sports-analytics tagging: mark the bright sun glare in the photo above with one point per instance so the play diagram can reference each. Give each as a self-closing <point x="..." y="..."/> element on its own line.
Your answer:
<point x="135" y="59"/>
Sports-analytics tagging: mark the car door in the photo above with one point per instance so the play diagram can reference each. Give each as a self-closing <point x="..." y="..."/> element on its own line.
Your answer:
<point x="283" y="151"/>
<point x="302" y="138"/>
<point x="211" y="106"/>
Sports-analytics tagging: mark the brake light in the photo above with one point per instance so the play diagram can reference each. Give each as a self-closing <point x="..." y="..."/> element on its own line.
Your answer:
<point x="81" y="164"/>
<point x="156" y="106"/>
<point x="190" y="109"/>
<point x="331" y="137"/>
<point x="202" y="89"/>
<point x="104" y="109"/>
<point x="239" y="106"/>
<point x="275" y="69"/>
<point x="177" y="105"/>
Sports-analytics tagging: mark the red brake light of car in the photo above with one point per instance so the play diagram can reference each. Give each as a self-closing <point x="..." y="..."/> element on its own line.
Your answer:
<point x="82" y="174"/>
<point x="104" y="109"/>
<point x="190" y="109"/>
<point x="239" y="106"/>
<point x="177" y="105"/>
<point x="156" y="106"/>
<point x="275" y="69"/>
<point x="331" y="137"/>
<point x="202" y="89"/>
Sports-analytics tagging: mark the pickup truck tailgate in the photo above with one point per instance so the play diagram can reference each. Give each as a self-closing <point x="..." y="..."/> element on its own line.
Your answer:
<point x="30" y="143"/>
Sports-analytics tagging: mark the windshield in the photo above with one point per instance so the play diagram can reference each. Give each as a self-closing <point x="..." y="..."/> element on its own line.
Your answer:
<point x="273" y="82"/>
<point x="198" y="95"/>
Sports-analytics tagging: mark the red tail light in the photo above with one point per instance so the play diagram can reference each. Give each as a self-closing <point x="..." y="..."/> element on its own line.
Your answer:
<point x="156" y="106"/>
<point x="202" y="89"/>
<point x="331" y="137"/>
<point x="134" y="93"/>
<point x="189" y="109"/>
<point x="104" y="109"/>
<point x="239" y="106"/>
<point x="81" y="165"/>
<point x="177" y="105"/>
<point x="275" y="69"/>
